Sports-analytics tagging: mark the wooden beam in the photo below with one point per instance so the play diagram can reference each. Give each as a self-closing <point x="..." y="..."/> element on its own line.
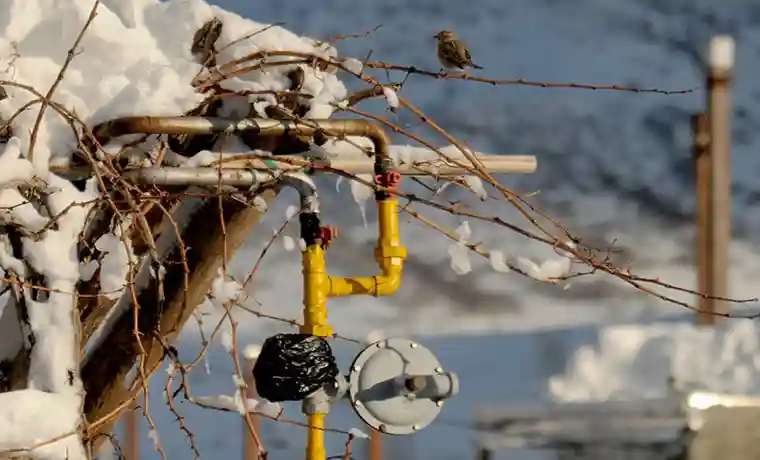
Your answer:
<point x="105" y="372"/>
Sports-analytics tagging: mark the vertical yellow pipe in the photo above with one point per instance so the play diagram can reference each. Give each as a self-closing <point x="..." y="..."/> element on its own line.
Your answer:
<point x="315" y="323"/>
<point x="315" y="292"/>
<point x="315" y="442"/>
<point x="389" y="240"/>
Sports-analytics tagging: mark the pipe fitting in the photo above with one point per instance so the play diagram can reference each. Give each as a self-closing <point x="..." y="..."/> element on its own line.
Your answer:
<point x="436" y="387"/>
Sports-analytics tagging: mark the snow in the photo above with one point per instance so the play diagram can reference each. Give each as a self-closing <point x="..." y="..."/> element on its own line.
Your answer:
<point x="464" y="232"/>
<point x="134" y="60"/>
<point x="117" y="258"/>
<point x="32" y="417"/>
<point x="260" y="204"/>
<point x="153" y="436"/>
<point x="225" y="289"/>
<point x="355" y="66"/>
<point x="53" y="321"/>
<point x="721" y="52"/>
<point x="230" y="403"/>
<point x="288" y="243"/>
<point x="291" y="211"/>
<point x="391" y="97"/>
<point x="475" y="184"/>
<point x="460" y="258"/>
<point x="357" y="433"/>
<point x="633" y="362"/>
<point x="361" y="193"/>
<point x="459" y="252"/>
<point x="226" y="340"/>
<point x="53" y="382"/>
<point x="499" y="261"/>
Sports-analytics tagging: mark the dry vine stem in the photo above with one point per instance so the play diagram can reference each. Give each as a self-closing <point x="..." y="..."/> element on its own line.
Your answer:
<point x="176" y="259"/>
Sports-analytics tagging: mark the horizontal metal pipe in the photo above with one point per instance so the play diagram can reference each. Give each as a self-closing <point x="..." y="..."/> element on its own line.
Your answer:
<point x="514" y="164"/>
<point x="236" y="178"/>
<point x="235" y="172"/>
<point x="196" y="176"/>
<point x="109" y="130"/>
<point x="241" y="173"/>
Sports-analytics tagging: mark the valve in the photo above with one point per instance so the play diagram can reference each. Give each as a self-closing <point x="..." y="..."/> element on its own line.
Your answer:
<point x="398" y="387"/>
<point x="389" y="179"/>
<point x="327" y="235"/>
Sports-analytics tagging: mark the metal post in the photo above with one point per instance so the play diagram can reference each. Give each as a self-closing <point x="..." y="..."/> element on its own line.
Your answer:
<point x="701" y="141"/>
<point x="250" y="448"/>
<point x="375" y="445"/>
<point x="375" y="437"/>
<point x="721" y="62"/>
<point x="131" y="433"/>
<point x="484" y="454"/>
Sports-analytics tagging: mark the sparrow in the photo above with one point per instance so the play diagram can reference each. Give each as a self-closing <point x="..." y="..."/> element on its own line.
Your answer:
<point x="453" y="54"/>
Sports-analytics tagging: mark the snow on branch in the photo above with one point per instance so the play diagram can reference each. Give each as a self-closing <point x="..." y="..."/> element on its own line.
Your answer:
<point x="42" y="219"/>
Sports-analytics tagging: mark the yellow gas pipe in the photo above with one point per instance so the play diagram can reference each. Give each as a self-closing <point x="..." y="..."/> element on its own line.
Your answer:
<point x="390" y="255"/>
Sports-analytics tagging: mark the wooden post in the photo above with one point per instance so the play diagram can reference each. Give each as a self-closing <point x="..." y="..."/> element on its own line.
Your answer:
<point x="721" y="61"/>
<point x="104" y="372"/>
<point x="250" y="449"/>
<point x="131" y="433"/>
<point x="701" y="141"/>
<point x="375" y="445"/>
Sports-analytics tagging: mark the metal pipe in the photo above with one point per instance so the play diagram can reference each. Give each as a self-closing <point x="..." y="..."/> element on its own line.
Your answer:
<point x="512" y="164"/>
<point x="306" y="189"/>
<point x="107" y="131"/>
<point x="208" y="177"/>
<point x="355" y="164"/>
<point x="237" y="173"/>
<point x="195" y="176"/>
<point x="433" y="386"/>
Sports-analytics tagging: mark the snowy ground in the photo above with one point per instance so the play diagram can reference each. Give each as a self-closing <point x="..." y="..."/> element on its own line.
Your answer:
<point x="613" y="166"/>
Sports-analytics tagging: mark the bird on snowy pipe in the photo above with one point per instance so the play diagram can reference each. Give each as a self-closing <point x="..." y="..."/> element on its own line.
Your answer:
<point x="453" y="54"/>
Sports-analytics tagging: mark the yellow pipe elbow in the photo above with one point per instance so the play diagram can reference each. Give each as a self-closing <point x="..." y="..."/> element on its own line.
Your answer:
<point x="390" y="256"/>
<point x="376" y="286"/>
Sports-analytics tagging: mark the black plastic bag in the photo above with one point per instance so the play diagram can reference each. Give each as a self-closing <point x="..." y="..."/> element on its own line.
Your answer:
<point x="292" y="366"/>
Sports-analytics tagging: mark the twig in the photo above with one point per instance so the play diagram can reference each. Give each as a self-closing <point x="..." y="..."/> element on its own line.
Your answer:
<point x="69" y="57"/>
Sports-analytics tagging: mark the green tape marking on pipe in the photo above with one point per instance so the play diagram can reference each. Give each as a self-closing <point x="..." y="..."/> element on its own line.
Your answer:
<point x="273" y="165"/>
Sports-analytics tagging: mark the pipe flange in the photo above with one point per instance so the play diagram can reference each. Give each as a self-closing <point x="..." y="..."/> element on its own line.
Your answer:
<point x="373" y="386"/>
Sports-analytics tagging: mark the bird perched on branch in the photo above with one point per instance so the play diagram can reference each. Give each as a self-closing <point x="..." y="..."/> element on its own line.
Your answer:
<point x="452" y="53"/>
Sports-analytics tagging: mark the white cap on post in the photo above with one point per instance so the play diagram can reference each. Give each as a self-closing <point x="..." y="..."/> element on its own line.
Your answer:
<point x="721" y="53"/>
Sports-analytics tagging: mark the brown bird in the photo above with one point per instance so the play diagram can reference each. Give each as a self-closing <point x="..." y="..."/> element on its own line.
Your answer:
<point x="453" y="54"/>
